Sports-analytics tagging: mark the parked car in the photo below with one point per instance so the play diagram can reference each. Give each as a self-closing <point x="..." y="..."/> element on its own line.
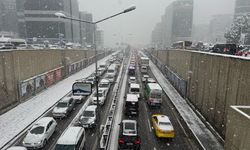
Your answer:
<point x="128" y="135"/>
<point x="63" y="107"/>
<point x="73" y="138"/>
<point x="17" y="148"/>
<point x="88" y="118"/>
<point x="162" y="126"/>
<point x="7" y="46"/>
<point x="40" y="133"/>
<point x="102" y="94"/>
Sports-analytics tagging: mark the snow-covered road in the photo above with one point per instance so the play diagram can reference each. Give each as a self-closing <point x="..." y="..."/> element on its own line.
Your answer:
<point x="18" y="118"/>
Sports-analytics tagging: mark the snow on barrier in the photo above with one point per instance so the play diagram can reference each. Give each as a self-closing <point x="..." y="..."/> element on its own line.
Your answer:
<point x="109" y="122"/>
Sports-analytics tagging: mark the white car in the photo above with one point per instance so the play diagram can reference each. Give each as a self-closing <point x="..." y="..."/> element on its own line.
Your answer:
<point x="77" y="98"/>
<point x="135" y="89"/>
<point x="110" y="77"/>
<point x="90" y="80"/>
<point x="144" y="78"/>
<point x="63" y="107"/>
<point x="88" y="117"/>
<point x="101" y="95"/>
<point x="104" y="85"/>
<point x="40" y="133"/>
<point x="151" y="80"/>
<point x="132" y="80"/>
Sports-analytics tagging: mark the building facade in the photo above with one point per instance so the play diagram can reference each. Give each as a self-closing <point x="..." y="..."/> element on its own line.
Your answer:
<point x="86" y="29"/>
<point x="218" y="26"/>
<point x="176" y="24"/>
<point x="8" y="16"/>
<point x="36" y="19"/>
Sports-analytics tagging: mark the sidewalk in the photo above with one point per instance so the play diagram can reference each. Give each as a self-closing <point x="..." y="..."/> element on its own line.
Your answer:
<point x="18" y="118"/>
<point x="204" y="136"/>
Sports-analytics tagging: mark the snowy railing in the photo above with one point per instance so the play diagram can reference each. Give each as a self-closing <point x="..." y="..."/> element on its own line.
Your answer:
<point x="109" y="122"/>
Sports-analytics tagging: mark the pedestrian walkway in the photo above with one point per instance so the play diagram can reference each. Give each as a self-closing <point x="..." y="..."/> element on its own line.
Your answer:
<point x="17" y="119"/>
<point x="204" y="136"/>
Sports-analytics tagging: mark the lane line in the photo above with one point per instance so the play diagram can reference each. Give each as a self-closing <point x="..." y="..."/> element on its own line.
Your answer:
<point x="149" y="125"/>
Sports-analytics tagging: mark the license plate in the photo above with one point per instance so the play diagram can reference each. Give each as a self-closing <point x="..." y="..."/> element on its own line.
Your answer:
<point x="129" y="143"/>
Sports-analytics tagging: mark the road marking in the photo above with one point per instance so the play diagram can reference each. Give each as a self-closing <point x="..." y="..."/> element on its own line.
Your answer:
<point x="181" y="127"/>
<point x="92" y="134"/>
<point x="154" y="148"/>
<point x="149" y="126"/>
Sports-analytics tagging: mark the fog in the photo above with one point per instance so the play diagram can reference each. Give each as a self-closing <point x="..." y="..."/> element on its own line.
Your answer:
<point x="135" y="27"/>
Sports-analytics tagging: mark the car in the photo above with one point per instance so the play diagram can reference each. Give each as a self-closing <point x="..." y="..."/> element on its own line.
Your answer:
<point x="102" y="94"/>
<point x="73" y="138"/>
<point x="40" y="132"/>
<point x="88" y="118"/>
<point x="78" y="98"/>
<point x="91" y="80"/>
<point x="110" y="77"/>
<point x="63" y="107"/>
<point x="128" y="135"/>
<point x="104" y="85"/>
<point x="132" y="80"/>
<point x="162" y="126"/>
<point x="150" y="80"/>
<point x="17" y="148"/>
<point x="7" y="46"/>
<point x="144" y="78"/>
<point x="134" y="88"/>
<point x="131" y="106"/>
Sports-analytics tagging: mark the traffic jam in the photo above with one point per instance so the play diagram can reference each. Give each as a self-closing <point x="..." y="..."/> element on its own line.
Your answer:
<point x="75" y="122"/>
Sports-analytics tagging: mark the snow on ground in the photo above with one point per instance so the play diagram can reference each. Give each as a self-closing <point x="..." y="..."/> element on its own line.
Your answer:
<point x="18" y="118"/>
<point x="203" y="135"/>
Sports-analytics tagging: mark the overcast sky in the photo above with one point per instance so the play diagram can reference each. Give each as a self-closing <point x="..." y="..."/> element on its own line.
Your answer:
<point x="136" y="27"/>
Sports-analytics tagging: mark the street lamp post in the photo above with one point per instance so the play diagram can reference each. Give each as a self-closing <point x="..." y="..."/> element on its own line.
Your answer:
<point x="61" y="15"/>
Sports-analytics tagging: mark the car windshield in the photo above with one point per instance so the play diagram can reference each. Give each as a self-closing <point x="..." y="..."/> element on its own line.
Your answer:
<point x="111" y="71"/>
<point x="103" y="85"/>
<point x="62" y="104"/>
<point x="165" y="123"/>
<point x="129" y="128"/>
<point x="99" y="94"/>
<point x="135" y="90"/>
<point x="65" y="147"/>
<point x="37" y="130"/>
<point x="88" y="114"/>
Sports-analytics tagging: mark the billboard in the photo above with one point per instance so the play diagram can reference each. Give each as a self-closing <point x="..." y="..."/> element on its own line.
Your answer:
<point x="81" y="88"/>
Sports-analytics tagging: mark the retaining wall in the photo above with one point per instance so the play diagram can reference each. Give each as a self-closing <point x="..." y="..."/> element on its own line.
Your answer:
<point x="214" y="81"/>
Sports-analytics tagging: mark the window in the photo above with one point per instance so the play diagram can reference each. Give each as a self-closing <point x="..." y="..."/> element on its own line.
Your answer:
<point x="48" y="126"/>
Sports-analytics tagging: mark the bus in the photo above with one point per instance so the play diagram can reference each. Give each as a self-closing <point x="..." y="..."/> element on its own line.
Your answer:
<point x="153" y="94"/>
<point x="182" y="44"/>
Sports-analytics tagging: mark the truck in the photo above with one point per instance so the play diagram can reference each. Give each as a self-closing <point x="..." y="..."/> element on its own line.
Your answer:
<point x="153" y="94"/>
<point x="144" y="64"/>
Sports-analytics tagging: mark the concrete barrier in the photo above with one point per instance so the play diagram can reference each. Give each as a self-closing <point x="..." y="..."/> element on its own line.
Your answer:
<point x="214" y="81"/>
<point x="238" y="128"/>
<point x="20" y="66"/>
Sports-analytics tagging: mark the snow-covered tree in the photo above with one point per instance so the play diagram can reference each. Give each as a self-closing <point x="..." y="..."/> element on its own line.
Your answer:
<point x="241" y="24"/>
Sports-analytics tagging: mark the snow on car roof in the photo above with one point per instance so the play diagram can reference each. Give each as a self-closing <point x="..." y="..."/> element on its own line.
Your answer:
<point x="154" y="86"/>
<point x="163" y="118"/>
<point x="132" y="98"/>
<point x="43" y="121"/>
<point x="104" y="80"/>
<point x="133" y="78"/>
<point x="134" y="85"/>
<point x="70" y="136"/>
<point x="91" y="108"/>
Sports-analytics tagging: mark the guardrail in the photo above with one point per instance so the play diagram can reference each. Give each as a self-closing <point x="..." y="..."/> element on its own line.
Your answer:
<point x="109" y="122"/>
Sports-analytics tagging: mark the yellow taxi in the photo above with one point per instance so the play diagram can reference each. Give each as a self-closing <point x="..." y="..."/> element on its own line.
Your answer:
<point x="162" y="126"/>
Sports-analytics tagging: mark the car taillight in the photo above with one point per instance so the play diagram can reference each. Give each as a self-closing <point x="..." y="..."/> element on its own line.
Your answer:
<point x="121" y="141"/>
<point x="138" y="141"/>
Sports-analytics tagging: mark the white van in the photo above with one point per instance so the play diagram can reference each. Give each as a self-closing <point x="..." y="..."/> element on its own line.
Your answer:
<point x="72" y="138"/>
<point x="135" y="89"/>
<point x="104" y="85"/>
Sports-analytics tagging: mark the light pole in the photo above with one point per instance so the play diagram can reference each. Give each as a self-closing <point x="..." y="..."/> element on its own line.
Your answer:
<point x="61" y="15"/>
